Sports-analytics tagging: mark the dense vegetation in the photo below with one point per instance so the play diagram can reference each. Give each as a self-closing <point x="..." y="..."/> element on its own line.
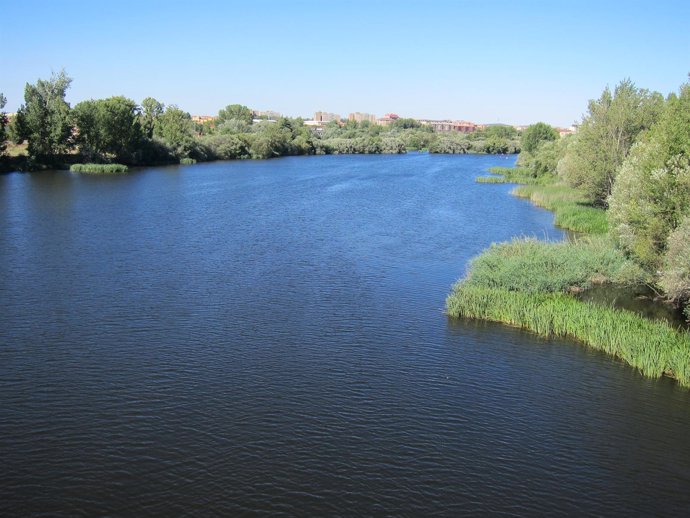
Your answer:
<point x="117" y="129"/>
<point x="625" y="176"/>
<point x="99" y="168"/>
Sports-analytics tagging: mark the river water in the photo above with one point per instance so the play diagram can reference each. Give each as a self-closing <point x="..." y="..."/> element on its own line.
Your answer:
<point x="268" y="337"/>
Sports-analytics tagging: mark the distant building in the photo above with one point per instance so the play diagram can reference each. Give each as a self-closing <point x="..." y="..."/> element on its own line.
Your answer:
<point x="201" y="119"/>
<point x="326" y="117"/>
<point x="266" y="114"/>
<point x="448" y="126"/>
<point x="315" y="125"/>
<point x="564" y="132"/>
<point x="361" y="117"/>
<point x="387" y="119"/>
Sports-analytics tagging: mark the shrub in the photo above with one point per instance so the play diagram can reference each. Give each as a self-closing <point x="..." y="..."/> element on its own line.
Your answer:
<point x="187" y="161"/>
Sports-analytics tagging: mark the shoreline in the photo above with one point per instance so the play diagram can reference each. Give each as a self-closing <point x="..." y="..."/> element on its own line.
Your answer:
<point x="550" y="309"/>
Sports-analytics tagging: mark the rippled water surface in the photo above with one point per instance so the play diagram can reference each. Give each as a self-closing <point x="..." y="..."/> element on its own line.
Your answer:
<point x="268" y="337"/>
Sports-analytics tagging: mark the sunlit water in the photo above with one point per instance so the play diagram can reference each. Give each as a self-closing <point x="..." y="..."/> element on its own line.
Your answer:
<point x="268" y="337"/>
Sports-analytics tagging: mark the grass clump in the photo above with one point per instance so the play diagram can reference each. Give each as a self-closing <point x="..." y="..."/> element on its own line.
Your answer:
<point x="521" y="175"/>
<point x="532" y="266"/>
<point x="492" y="179"/>
<point x="572" y="209"/>
<point x="99" y="168"/>
<point x="187" y="161"/>
<point x="654" y="348"/>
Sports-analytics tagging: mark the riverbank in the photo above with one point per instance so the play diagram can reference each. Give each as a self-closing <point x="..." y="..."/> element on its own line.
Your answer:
<point x="530" y="284"/>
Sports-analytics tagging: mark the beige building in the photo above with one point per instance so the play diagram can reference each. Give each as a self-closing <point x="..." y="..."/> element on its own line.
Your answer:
<point x="448" y="126"/>
<point x="361" y="117"/>
<point x="326" y="117"/>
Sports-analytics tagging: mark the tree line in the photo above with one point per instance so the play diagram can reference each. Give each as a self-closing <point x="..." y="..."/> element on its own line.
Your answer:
<point x="631" y="157"/>
<point x="118" y="130"/>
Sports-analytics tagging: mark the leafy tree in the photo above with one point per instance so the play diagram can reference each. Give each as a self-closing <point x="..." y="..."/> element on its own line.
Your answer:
<point x="3" y="125"/>
<point x="675" y="273"/>
<point x="605" y="137"/>
<point x="176" y="129"/>
<point x="44" y="118"/>
<point x="535" y="135"/>
<point x="108" y="128"/>
<point x="403" y="123"/>
<point x="651" y="196"/>
<point x="150" y="114"/>
<point x="235" y="111"/>
<point x="499" y="130"/>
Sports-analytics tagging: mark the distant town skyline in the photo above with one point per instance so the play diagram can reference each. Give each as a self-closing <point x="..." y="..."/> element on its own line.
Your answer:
<point x="508" y="62"/>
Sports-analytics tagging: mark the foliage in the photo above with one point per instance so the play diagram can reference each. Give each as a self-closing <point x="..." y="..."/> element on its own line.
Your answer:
<point x="544" y="161"/>
<point x="235" y="112"/>
<point x="654" y="348"/>
<point x="675" y="272"/>
<point x="450" y="144"/>
<point x="605" y="137"/>
<point x="151" y="111"/>
<point x="98" y="168"/>
<point x="44" y="118"/>
<point x="187" y="161"/>
<point x="226" y="146"/>
<point x="107" y="128"/>
<point x="652" y="194"/>
<point x="535" y="135"/>
<point x="176" y="129"/>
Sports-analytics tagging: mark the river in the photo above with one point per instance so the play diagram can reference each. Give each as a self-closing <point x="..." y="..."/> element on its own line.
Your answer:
<point x="268" y="337"/>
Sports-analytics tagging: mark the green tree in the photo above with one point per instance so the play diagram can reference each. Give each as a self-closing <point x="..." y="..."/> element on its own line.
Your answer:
<point x="108" y="128"/>
<point x="176" y="129"/>
<point x="150" y="114"/>
<point x="535" y="135"/>
<point x="605" y="137"/>
<point x="3" y="125"/>
<point x="235" y="111"/>
<point x="651" y="196"/>
<point x="44" y="118"/>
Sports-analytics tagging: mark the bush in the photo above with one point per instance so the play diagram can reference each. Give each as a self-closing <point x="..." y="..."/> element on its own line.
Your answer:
<point x="98" y="168"/>
<point x="187" y="161"/>
<point x="675" y="274"/>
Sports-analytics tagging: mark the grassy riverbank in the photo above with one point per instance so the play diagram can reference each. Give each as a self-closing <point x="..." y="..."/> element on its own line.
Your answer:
<point x="654" y="348"/>
<point x="529" y="284"/>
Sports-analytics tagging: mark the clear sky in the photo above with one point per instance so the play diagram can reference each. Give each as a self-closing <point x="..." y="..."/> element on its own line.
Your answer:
<point x="513" y="62"/>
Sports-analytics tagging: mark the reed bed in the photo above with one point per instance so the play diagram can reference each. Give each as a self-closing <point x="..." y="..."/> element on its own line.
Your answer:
<point x="572" y="210"/>
<point x="99" y="168"/>
<point x="652" y="347"/>
<point x="492" y="179"/>
<point x="531" y="266"/>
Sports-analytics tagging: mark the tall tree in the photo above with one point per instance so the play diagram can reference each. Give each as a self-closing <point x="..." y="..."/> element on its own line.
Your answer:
<point x="537" y="134"/>
<point x="605" y="137"/>
<point x="176" y="129"/>
<point x="151" y="112"/>
<point x="237" y="112"/>
<point x="44" y="118"/>
<point x="108" y="128"/>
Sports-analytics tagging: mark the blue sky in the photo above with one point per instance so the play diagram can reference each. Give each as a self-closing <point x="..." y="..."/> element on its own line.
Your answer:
<point x="513" y="62"/>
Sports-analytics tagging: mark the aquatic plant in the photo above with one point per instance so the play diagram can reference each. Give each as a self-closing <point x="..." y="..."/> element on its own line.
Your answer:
<point x="652" y="347"/>
<point x="99" y="168"/>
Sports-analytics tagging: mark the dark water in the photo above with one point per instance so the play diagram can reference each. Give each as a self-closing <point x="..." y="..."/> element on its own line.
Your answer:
<point x="268" y="338"/>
